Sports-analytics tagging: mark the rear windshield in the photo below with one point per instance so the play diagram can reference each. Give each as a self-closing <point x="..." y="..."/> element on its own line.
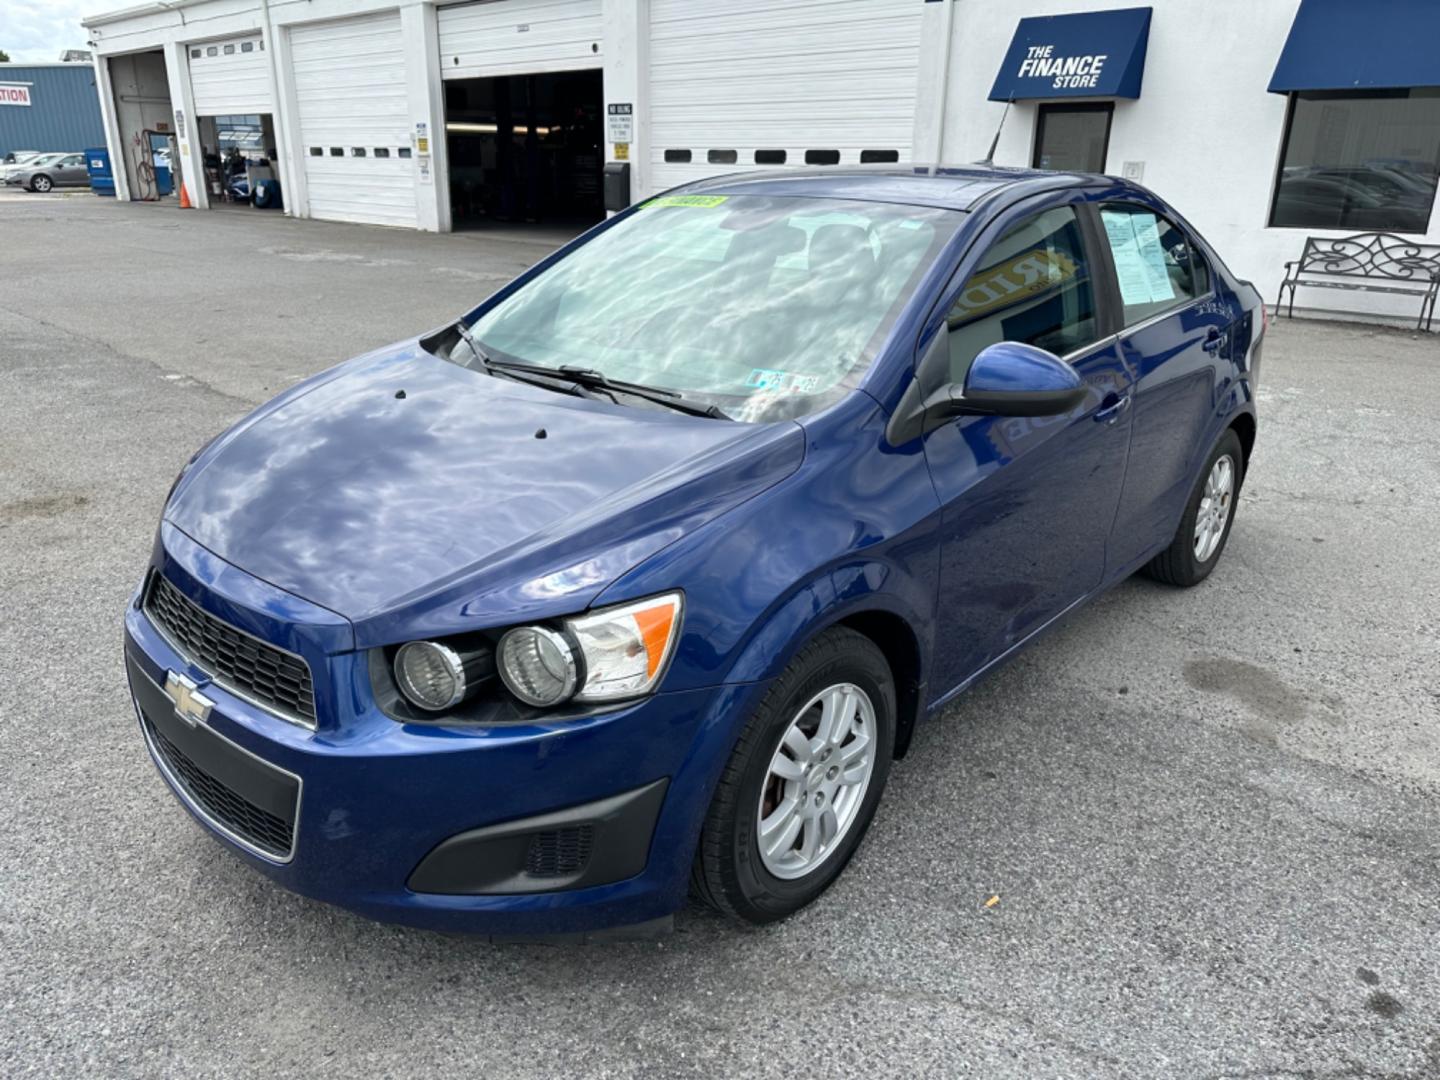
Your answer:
<point x="769" y="308"/>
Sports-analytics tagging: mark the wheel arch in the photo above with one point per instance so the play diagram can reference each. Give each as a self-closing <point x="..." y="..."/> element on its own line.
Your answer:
<point x="1243" y="424"/>
<point x="877" y="616"/>
<point x="896" y="640"/>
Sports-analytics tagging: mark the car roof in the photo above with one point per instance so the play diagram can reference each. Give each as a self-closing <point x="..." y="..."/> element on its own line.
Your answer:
<point x="951" y="187"/>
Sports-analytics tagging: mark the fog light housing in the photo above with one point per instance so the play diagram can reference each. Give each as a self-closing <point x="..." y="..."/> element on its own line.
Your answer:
<point x="538" y="665"/>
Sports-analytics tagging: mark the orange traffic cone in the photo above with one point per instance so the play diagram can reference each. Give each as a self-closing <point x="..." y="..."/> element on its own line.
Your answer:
<point x="184" y="198"/>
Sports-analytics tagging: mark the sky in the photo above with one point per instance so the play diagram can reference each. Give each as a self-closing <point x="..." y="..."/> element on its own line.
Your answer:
<point x="32" y="30"/>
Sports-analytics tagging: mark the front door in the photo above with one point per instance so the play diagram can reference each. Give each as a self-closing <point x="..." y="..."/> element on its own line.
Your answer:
<point x="1027" y="503"/>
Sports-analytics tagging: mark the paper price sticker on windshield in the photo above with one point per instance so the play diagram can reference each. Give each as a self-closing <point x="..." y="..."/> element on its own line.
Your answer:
<point x="688" y="200"/>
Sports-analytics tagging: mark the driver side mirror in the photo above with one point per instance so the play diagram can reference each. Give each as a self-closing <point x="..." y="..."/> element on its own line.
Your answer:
<point x="1011" y="378"/>
<point x="1008" y="378"/>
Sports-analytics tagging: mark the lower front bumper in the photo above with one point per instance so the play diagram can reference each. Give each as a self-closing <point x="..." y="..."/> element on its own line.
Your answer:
<point x="378" y="802"/>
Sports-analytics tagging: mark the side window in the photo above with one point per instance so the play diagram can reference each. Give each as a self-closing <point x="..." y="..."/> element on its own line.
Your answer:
<point x="1154" y="264"/>
<point x="1033" y="285"/>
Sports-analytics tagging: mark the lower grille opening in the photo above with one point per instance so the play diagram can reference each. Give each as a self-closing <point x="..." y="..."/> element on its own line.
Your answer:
<point x="559" y="852"/>
<point x="256" y="826"/>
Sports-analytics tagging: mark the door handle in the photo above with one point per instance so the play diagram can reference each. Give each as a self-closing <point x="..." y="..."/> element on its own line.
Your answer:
<point x="1213" y="340"/>
<point x="1112" y="408"/>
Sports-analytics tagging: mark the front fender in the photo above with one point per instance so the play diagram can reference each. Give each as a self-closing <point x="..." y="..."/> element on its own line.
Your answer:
<point x="853" y="589"/>
<point x="852" y="533"/>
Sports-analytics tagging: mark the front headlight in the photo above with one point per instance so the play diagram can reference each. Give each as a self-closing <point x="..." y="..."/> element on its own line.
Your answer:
<point x="436" y="677"/>
<point x="606" y="655"/>
<point x="537" y="665"/>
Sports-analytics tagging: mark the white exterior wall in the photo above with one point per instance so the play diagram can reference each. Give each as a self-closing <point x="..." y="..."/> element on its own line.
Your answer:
<point x="1206" y="129"/>
<point x="1208" y="132"/>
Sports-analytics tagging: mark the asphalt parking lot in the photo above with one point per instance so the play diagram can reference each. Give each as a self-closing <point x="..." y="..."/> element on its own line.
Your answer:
<point x="1212" y="818"/>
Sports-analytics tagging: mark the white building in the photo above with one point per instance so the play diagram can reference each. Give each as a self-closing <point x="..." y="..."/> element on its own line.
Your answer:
<point x="1263" y="121"/>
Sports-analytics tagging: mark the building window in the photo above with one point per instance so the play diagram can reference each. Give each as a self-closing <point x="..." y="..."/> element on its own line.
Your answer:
<point x="194" y="54"/>
<point x="404" y="151"/>
<point x="1363" y="160"/>
<point x="357" y="151"/>
<point x="212" y="51"/>
<point x="1073" y="138"/>
<point x="247" y="46"/>
<point x="382" y="151"/>
<point x="769" y="157"/>
<point x="822" y="157"/>
<point x="722" y="157"/>
<point x="336" y="151"/>
<point x="879" y="157"/>
<point x="677" y="157"/>
<point x="229" y="50"/>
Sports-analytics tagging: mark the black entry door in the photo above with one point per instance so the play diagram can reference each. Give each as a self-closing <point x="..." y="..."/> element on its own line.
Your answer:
<point x="1073" y="137"/>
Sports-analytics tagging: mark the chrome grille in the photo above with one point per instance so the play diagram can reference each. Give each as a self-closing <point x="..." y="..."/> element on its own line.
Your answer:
<point x="270" y="677"/>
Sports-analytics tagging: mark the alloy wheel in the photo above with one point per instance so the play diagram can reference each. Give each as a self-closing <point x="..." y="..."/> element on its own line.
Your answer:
<point x="1215" y="503"/>
<point x="42" y="183"/>
<point x="817" y="781"/>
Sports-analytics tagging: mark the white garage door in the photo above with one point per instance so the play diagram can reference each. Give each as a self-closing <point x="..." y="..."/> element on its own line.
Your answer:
<point x="354" y="120"/>
<point x="831" y="83"/>
<point x="518" y="37"/>
<point x="231" y="77"/>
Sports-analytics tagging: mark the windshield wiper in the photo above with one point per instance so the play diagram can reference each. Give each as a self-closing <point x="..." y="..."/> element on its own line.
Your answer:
<point x="550" y="378"/>
<point x="577" y="378"/>
<point x="671" y="399"/>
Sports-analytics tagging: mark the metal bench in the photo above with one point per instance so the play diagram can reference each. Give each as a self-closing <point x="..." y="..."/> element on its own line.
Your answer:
<point x="1367" y="262"/>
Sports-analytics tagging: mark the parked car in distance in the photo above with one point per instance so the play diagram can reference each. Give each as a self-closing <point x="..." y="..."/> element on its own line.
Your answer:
<point x="17" y="159"/>
<point x="51" y="171"/>
<point x="634" y="581"/>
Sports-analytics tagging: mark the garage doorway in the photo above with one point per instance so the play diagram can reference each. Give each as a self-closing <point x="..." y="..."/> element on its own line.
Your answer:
<point x="526" y="150"/>
<point x="140" y="87"/>
<point x="238" y="152"/>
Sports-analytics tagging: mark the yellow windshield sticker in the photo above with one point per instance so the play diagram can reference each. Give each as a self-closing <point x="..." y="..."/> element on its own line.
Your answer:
<point x="688" y="200"/>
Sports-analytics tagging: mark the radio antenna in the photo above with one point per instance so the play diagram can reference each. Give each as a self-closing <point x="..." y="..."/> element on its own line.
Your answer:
<point x="995" y="142"/>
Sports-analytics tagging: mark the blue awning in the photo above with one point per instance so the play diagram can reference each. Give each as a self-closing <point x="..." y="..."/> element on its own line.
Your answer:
<point x="1086" y="54"/>
<point x="1348" y="45"/>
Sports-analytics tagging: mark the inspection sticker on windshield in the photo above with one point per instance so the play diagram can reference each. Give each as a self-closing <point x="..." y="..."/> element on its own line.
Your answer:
<point x="688" y="200"/>
<point x="765" y="379"/>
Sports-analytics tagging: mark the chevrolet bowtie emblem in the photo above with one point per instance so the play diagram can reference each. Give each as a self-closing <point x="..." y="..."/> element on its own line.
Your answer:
<point x="190" y="705"/>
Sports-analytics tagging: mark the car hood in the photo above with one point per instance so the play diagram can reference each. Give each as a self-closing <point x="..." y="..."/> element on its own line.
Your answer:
<point x="414" y="496"/>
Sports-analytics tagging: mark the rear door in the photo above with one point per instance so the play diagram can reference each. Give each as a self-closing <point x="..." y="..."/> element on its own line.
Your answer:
<point x="1175" y="338"/>
<point x="1027" y="502"/>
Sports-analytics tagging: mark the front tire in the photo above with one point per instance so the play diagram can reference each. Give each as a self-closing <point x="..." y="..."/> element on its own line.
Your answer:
<point x="1209" y="514"/>
<point x="802" y="783"/>
<point x="41" y="184"/>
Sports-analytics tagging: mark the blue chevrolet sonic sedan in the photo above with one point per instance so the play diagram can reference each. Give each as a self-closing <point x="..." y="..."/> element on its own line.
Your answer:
<point x="634" y="581"/>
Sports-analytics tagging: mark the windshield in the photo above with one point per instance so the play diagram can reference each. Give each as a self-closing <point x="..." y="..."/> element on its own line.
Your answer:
<point x="768" y="308"/>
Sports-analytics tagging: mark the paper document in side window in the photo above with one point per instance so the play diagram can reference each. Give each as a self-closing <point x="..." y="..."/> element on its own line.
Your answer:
<point x="1139" y="257"/>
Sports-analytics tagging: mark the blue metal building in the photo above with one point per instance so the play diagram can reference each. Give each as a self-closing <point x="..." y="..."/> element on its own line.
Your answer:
<point x="49" y="107"/>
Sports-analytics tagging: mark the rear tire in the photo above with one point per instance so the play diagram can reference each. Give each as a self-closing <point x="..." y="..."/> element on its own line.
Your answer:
<point x="816" y="751"/>
<point x="1205" y="528"/>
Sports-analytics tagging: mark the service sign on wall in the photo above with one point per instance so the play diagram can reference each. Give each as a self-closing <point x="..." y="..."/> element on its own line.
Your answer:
<point x="14" y="94"/>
